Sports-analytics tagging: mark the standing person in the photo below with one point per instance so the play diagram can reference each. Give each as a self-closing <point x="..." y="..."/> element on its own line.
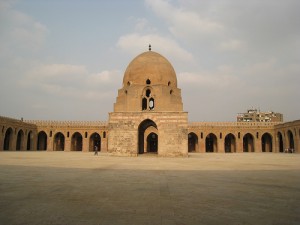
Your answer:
<point x="96" y="150"/>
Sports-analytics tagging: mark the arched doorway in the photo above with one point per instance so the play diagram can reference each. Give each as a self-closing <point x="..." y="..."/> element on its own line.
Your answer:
<point x="280" y="141"/>
<point x="211" y="143"/>
<point x="192" y="142"/>
<point x="20" y="140"/>
<point x="149" y="126"/>
<point x="95" y="140"/>
<point x="76" y="142"/>
<point x="59" y="142"/>
<point x="248" y="143"/>
<point x="29" y="141"/>
<point x="152" y="141"/>
<point x="42" y="141"/>
<point x="229" y="144"/>
<point x="266" y="142"/>
<point x="291" y="140"/>
<point x="8" y="139"/>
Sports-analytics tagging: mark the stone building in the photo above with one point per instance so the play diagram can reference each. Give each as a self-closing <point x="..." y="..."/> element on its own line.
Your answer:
<point x="254" y="115"/>
<point x="148" y="117"/>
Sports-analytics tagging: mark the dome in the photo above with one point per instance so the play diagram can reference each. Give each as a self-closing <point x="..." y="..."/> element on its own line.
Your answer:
<point x="150" y="68"/>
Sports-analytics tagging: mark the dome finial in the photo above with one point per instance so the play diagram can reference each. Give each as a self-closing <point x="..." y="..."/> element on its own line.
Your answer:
<point x="149" y="47"/>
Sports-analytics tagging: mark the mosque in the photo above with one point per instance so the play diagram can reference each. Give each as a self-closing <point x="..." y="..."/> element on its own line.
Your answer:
<point x="148" y="117"/>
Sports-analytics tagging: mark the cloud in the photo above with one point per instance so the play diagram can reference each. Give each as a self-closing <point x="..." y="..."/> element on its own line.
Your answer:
<point x="183" y="22"/>
<point x="104" y="77"/>
<point x="73" y="81"/>
<point x="222" y="78"/>
<point x="56" y="70"/>
<point x="19" y="31"/>
<point x="135" y="43"/>
<point x="232" y="45"/>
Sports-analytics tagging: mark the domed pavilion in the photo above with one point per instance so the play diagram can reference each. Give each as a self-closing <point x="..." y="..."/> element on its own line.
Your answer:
<point x="148" y="114"/>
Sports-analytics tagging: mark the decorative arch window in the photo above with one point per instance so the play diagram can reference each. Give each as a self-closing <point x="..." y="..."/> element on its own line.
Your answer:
<point x="148" y="81"/>
<point x="148" y="100"/>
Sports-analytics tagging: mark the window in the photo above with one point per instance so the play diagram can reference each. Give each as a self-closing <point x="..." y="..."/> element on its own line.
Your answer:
<point x="147" y="100"/>
<point x="148" y="93"/>
<point x="144" y="104"/>
<point x="151" y="104"/>
<point x="148" y="81"/>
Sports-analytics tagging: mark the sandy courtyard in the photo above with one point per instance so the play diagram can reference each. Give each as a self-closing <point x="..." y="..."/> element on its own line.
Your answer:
<point x="65" y="188"/>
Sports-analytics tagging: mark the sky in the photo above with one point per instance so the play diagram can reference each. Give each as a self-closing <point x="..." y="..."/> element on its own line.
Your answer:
<point x="65" y="59"/>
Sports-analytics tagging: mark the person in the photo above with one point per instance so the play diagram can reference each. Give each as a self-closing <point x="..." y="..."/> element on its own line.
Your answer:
<point x="96" y="150"/>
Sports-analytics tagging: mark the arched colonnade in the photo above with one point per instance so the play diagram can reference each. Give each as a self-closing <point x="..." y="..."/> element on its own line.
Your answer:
<point x="243" y="142"/>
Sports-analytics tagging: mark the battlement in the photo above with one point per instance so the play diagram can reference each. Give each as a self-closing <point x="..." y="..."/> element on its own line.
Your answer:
<point x="67" y="123"/>
<point x="233" y="124"/>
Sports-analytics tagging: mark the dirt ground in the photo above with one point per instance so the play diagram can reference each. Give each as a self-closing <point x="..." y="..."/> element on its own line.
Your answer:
<point x="62" y="188"/>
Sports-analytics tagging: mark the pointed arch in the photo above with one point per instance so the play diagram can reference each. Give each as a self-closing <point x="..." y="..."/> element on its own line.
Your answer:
<point x="211" y="144"/>
<point x="248" y="143"/>
<point x="42" y="141"/>
<point x="230" y="143"/>
<point x="95" y="140"/>
<point x="266" y="143"/>
<point x="76" y="142"/>
<point x="59" y="142"/>
<point x="280" y="142"/>
<point x="291" y="143"/>
<point x="145" y="125"/>
<point x="29" y="141"/>
<point x="8" y="139"/>
<point x="152" y="142"/>
<point x="20" y="140"/>
<point x="192" y="142"/>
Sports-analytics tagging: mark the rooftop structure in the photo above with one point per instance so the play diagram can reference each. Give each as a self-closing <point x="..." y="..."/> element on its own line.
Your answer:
<point x="254" y="115"/>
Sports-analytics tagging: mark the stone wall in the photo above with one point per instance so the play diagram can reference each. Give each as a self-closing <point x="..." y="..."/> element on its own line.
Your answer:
<point x="124" y="132"/>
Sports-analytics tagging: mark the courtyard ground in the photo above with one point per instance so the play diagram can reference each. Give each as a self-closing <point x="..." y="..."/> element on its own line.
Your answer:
<point x="66" y="188"/>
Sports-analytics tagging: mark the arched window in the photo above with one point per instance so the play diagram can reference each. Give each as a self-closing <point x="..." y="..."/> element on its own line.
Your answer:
<point x="147" y="100"/>
<point x="144" y="104"/>
<point x="148" y="93"/>
<point x="151" y="104"/>
<point x="148" y="81"/>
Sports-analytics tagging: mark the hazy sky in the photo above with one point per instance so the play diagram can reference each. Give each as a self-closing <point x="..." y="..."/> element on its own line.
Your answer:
<point x="65" y="59"/>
